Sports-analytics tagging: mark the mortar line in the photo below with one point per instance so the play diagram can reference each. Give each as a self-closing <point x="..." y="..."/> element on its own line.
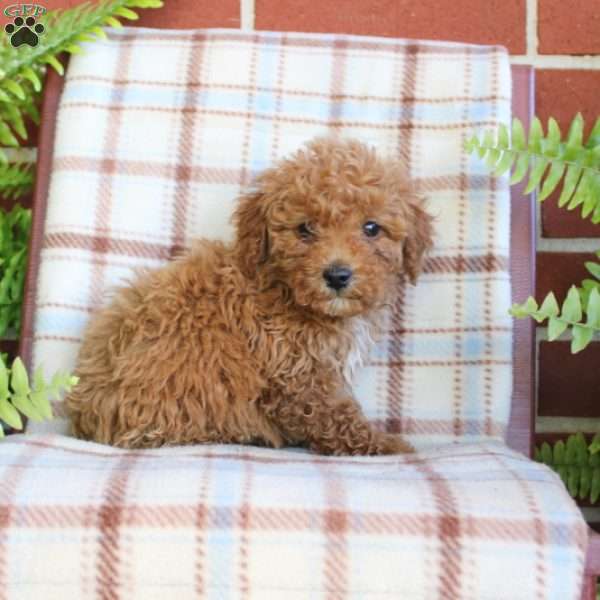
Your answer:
<point x="247" y="11"/>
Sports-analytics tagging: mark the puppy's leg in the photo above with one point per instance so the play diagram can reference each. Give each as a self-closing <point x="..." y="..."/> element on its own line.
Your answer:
<point x="334" y="425"/>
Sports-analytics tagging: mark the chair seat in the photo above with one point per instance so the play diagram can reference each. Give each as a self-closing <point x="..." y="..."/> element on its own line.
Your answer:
<point x="456" y="521"/>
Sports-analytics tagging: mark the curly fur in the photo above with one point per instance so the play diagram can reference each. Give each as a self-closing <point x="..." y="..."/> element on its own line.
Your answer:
<point x="245" y="343"/>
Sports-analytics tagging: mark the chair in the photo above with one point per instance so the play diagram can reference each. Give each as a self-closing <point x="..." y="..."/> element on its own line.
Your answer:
<point x="230" y="507"/>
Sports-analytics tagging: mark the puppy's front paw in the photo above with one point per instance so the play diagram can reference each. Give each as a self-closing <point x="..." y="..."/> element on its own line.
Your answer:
<point x="391" y="443"/>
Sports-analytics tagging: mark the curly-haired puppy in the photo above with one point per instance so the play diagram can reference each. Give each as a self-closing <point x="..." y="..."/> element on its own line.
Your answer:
<point x="254" y="342"/>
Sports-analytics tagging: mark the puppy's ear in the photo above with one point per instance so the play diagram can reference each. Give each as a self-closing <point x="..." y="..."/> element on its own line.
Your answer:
<point x="419" y="237"/>
<point x="252" y="245"/>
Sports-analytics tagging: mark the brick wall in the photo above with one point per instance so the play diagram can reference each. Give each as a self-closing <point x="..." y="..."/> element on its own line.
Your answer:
<point x="561" y="39"/>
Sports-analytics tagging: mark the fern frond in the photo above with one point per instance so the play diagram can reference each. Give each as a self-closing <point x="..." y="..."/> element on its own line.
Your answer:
<point x="62" y="30"/>
<point x="19" y="395"/>
<point x="16" y="180"/>
<point x="549" y="158"/>
<point x="577" y="463"/>
<point x="579" y="314"/>
<point x="15" y="226"/>
<point x="65" y="30"/>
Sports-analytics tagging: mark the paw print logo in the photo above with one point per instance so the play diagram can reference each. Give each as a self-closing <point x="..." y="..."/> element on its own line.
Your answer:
<point x="24" y="31"/>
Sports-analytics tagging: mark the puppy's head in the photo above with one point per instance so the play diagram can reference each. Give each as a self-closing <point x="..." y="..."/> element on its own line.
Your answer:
<point x="336" y="224"/>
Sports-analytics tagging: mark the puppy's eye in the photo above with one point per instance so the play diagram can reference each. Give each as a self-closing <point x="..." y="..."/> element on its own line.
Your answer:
<point x="305" y="231"/>
<point x="371" y="228"/>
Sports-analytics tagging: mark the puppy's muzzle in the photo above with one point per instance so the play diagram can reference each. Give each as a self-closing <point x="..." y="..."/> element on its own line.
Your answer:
<point x="337" y="277"/>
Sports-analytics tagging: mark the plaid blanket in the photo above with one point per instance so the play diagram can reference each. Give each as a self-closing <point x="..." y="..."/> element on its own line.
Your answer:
<point x="158" y="131"/>
<point x="464" y="521"/>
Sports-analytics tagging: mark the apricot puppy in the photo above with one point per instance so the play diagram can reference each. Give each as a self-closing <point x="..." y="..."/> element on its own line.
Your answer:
<point x="255" y="342"/>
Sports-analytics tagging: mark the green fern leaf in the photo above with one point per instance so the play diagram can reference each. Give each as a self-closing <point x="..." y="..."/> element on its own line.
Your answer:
<point x="594" y="137"/>
<point x="126" y="13"/>
<point x="595" y="450"/>
<point x="549" y="307"/>
<point x="113" y="22"/>
<point x="582" y="336"/>
<point x="536" y="133"/>
<point x="574" y="474"/>
<point x="472" y="144"/>
<point x="575" y="135"/>
<point x="492" y="157"/>
<point x="554" y="176"/>
<point x="16" y="180"/>
<point x="32" y="76"/>
<point x="536" y="174"/>
<point x="527" y="309"/>
<point x="571" y="308"/>
<point x="518" y="135"/>
<point x="581" y="450"/>
<point x="504" y="164"/>
<point x="592" y="197"/>
<point x="487" y="143"/>
<point x="6" y="136"/>
<point x="57" y="66"/>
<point x="587" y="285"/>
<point x="555" y="328"/>
<point x="551" y="142"/>
<point x="74" y="49"/>
<point x="14" y="88"/>
<point x="593" y="309"/>
<point x="593" y="268"/>
<point x="571" y="180"/>
<point x="145" y="3"/>
<point x="546" y="454"/>
<point x="11" y="115"/>
<point x="503" y="138"/>
<point x="559" y="452"/>
<point x="582" y="190"/>
<point x="520" y="168"/>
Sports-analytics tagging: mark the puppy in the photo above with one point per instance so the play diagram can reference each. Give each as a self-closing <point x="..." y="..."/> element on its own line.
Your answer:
<point x="254" y="342"/>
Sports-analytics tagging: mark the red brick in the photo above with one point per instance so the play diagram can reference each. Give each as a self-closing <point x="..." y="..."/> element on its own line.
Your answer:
<point x="501" y="22"/>
<point x="176" y="14"/>
<point x="568" y="28"/>
<point x="558" y="271"/>
<point x="562" y="94"/>
<point x="189" y="14"/>
<point x="568" y="383"/>
<point x="563" y="223"/>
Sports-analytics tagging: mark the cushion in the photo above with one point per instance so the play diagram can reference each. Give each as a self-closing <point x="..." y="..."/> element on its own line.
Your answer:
<point x="462" y="521"/>
<point x="159" y="131"/>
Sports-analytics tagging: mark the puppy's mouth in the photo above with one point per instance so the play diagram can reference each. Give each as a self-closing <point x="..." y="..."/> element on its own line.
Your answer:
<point x="346" y="302"/>
<point x="343" y="306"/>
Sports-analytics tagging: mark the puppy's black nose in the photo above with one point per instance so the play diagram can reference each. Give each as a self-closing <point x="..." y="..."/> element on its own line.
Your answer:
<point x="337" y="277"/>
